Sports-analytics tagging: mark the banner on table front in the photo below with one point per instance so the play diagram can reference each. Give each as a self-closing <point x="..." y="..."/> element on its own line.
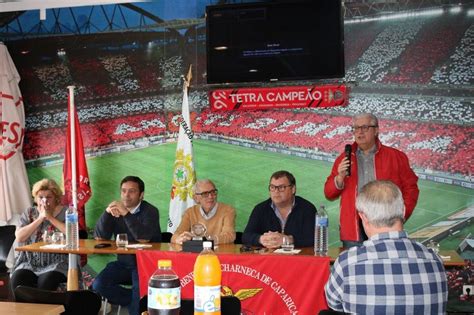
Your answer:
<point x="265" y="284"/>
<point x="279" y="97"/>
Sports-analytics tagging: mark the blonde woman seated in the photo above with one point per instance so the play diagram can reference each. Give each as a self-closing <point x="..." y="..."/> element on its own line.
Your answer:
<point x="218" y="218"/>
<point x="34" y="269"/>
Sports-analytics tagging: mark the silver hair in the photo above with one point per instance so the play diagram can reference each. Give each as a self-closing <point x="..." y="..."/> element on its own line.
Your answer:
<point x="382" y="203"/>
<point x="373" y="119"/>
<point x="202" y="181"/>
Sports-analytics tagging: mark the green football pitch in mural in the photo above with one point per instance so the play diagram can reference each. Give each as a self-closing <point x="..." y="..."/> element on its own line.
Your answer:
<point x="241" y="175"/>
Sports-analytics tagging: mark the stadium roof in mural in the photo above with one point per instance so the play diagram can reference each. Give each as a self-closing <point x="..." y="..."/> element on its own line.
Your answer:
<point x="21" y="19"/>
<point x="73" y="17"/>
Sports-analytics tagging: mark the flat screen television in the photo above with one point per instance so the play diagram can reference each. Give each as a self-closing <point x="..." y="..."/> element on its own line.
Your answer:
<point x="275" y="41"/>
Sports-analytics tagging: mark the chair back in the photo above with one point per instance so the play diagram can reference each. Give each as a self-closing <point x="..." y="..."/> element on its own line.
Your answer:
<point x="75" y="302"/>
<point x="166" y="237"/>
<point x="238" y="238"/>
<point x="7" y="237"/>
<point x="230" y="305"/>
<point x="83" y="235"/>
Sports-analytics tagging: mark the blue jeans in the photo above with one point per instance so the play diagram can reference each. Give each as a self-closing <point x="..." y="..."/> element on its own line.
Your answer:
<point x="109" y="281"/>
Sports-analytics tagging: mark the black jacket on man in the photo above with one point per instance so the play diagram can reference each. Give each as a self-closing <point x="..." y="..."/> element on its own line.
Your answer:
<point x="143" y="224"/>
<point x="300" y="223"/>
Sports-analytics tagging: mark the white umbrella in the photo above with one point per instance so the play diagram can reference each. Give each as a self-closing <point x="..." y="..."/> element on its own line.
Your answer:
<point x="14" y="185"/>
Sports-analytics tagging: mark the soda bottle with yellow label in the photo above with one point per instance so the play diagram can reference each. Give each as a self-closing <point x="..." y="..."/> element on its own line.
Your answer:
<point x="207" y="282"/>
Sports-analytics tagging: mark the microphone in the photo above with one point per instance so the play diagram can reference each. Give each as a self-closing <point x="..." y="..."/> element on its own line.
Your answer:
<point x="348" y="151"/>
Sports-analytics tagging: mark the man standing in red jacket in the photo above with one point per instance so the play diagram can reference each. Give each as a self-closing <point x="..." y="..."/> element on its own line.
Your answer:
<point x="369" y="160"/>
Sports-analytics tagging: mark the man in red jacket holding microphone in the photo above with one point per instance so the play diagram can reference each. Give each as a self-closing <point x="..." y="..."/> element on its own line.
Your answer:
<point x="367" y="159"/>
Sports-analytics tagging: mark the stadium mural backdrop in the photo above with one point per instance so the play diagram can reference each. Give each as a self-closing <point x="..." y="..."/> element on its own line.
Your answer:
<point x="414" y="72"/>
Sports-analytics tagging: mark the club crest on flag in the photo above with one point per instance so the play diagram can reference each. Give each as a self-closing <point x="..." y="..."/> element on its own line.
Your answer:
<point x="183" y="176"/>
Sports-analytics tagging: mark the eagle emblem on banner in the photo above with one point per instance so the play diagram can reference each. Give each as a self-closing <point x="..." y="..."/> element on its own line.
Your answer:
<point x="241" y="294"/>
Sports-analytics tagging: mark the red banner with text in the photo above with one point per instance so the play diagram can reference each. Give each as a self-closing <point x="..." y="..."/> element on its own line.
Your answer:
<point x="279" y="97"/>
<point x="265" y="284"/>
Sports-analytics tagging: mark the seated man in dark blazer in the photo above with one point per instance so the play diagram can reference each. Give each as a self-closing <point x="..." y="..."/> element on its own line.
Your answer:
<point x="140" y="221"/>
<point x="283" y="213"/>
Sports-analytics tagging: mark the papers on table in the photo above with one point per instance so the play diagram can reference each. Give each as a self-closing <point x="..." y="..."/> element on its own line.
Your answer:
<point x="288" y="252"/>
<point x="53" y="246"/>
<point x="138" y="246"/>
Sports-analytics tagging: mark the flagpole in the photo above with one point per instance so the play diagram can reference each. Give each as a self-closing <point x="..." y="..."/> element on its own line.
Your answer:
<point x="73" y="146"/>
<point x="73" y="273"/>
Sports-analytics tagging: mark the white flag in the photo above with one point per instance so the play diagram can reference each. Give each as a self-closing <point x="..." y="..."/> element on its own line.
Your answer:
<point x="14" y="185"/>
<point x="184" y="175"/>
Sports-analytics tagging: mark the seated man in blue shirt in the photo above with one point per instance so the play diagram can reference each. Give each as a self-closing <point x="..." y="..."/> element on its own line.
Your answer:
<point x="283" y="213"/>
<point x="389" y="274"/>
<point x="140" y="221"/>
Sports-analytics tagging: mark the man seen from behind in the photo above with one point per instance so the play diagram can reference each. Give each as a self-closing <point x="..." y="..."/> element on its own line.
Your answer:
<point x="389" y="273"/>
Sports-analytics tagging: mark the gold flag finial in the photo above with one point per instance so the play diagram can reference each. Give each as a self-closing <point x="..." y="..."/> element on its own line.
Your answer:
<point x="189" y="76"/>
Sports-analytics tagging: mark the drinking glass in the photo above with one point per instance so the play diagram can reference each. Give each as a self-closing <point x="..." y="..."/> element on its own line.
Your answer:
<point x="121" y="240"/>
<point x="57" y="238"/>
<point x="46" y="237"/>
<point x="287" y="243"/>
<point x="434" y="246"/>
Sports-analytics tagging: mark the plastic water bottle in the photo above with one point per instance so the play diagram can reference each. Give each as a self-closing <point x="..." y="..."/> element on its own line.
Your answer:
<point x="321" y="232"/>
<point x="72" y="228"/>
<point x="164" y="290"/>
<point x="207" y="282"/>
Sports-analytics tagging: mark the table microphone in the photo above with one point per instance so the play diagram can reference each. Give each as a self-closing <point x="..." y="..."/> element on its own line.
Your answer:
<point x="348" y="151"/>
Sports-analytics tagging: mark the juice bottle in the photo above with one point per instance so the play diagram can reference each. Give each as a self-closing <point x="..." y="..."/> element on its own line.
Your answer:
<point x="164" y="290"/>
<point x="207" y="282"/>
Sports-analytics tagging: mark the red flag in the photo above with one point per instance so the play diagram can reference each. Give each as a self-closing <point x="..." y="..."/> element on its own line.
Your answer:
<point x="83" y="185"/>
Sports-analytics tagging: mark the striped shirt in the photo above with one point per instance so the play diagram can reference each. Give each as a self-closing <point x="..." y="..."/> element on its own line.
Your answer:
<point x="365" y="167"/>
<point x="389" y="274"/>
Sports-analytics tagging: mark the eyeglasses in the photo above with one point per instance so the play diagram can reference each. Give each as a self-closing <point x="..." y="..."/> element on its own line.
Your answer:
<point x="363" y="128"/>
<point x="278" y="188"/>
<point x="206" y="194"/>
